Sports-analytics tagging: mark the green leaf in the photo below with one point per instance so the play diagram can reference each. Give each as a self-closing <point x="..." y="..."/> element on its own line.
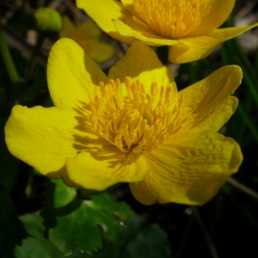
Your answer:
<point x="76" y="231"/>
<point x="85" y="228"/>
<point x="151" y="242"/>
<point x="63" y="194"/>
<point x="36" y="245"/>
<point x="110" y="215"/>
<point x="33" y="224"/>
<point x="37" y="248"/>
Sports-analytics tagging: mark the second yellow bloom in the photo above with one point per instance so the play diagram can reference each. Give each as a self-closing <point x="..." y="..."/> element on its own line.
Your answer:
<point x="189" y="27"/>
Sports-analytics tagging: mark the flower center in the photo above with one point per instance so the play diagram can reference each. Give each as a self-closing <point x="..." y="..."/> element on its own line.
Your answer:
<point x="127" y="117"/>
<point x="170" y="18"/>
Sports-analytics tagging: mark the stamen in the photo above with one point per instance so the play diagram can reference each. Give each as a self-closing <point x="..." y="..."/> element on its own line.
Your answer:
<point x="127" y="117"/>
<point x="170" y="18"/>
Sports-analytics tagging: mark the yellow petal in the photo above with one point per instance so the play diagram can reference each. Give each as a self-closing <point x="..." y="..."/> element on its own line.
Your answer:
<point x="71" y="74"/>
<point x="190" y="171"/>
<point x="67" y="28"/>
<point x="112" y="22"/>
<point x="195" y="48"/>
<point x="41" y="137"/>
<point x="91" y="29"/>
<point x="88" y="172"/>
<point x="231" y="32"/>
<point x="127" y="2"/>
<point x="192" y="49"/>
<point x="87" y="29"/>
<point x="128" y="30"/>
<point x="138" y="59"/>
<point x="143" y="192"/>
<point x="141" y="63"/>
<point x="208" y="103"/>
<point x="179" y="19"/>
<point x="88" y="36"/>
<point x="102" y="12"/>
<point x="98" y="50"/>
<point x="213" y="14"/>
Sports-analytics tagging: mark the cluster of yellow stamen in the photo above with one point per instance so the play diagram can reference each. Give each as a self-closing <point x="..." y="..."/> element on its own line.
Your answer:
<point x="128" y="118"/>
<point x="169" y="18"/>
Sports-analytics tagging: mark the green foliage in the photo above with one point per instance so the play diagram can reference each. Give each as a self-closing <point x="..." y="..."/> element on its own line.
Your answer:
<point x="84" y="228"/>
<point x="63" y="194"/>
<point x="151" y="242"/>
<point x="77" y="230"/>
<point x="99" y="227"/>
<point x="33" y="225"/>
<point x="37" y="247"/>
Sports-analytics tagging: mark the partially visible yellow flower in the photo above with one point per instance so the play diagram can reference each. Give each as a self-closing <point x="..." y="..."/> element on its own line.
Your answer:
<point x="189" y="27"/>
<point x="132" y="126"/>
<point x="88" y="35"/>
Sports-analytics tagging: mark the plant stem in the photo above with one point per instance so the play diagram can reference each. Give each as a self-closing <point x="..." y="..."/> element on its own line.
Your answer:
<point x="185" y="237"/>
<point x="7" y="59"/>
<point x="208" y="239"/>
<point x="243" y="188"/>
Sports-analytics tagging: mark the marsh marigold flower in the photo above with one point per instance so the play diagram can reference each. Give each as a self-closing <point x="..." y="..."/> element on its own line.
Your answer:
<point x="132" y="126"/>
<point x="89" y="36"/>
<point x="189" y="27"/>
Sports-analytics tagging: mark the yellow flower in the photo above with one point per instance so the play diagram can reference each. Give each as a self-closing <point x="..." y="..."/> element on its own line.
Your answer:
<point x="88" y="35"/>
<point x="189" y="27"/>
<point x="132" y="126"/>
